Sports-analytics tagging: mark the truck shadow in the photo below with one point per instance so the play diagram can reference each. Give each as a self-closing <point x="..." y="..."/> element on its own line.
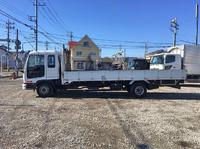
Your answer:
<point x="105" y="94"/>
<point x="190" y="85"/>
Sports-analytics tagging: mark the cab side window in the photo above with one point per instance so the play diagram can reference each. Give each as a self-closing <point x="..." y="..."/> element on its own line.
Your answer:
<point x="170" y="59"/>
<point x="51" y="61"/>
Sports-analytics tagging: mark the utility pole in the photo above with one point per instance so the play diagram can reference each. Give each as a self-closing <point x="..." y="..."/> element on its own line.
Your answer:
<point x="71" y="36"/>
<point x="197" y="18"/>
<point x="46" y="44"/>
<point x="120" y="47"/>
<point x="23" y="56"/>
<point x="145" y="51"/>
<point x="16" y="61"/>
<point x="175" y="25"/>
<point x="36" y="23"/>
<point x="17" y="47"/>
<point x="124" y="53"/>
<point x="8" y="41"/>
<point x="100" y="51"/>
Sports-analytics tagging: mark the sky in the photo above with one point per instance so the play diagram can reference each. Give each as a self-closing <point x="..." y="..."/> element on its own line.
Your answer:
<point x="109" y="23"/>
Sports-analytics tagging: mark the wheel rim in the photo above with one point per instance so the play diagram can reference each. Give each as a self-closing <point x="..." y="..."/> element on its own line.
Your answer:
<point x="44" y="89"/>
<point x="139" y="90"/>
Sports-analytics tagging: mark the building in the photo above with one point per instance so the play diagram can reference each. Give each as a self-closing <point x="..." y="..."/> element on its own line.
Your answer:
<point x="84" y="55"/>
<point x="12" y="58"/>
<point x="106" y="63"/>
<point x="3" y="51"/>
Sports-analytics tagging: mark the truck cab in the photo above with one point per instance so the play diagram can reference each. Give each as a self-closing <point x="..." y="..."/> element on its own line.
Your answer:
<point x="41" y="66"/>
<point x="139" y="64"/>
<point x="166" y="61"/>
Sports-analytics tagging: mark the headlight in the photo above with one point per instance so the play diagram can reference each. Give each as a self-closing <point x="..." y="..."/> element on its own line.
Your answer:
<point x="168" y="67"/>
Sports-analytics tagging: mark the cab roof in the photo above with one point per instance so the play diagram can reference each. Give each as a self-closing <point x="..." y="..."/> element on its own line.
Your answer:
<point x="45" y="52"/>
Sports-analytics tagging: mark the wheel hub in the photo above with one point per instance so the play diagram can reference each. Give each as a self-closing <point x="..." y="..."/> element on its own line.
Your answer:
<point x="44" y="89"/>
<point x="139" y="90"/>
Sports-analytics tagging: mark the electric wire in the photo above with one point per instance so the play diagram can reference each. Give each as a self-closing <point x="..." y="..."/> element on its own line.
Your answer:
<point x="13" y="9"/>
<point x="22" y="33"/>
<point x="50" y="22"/>
<point x="102" y="46"/>
<point x="62" y="25"/>
<point x="57" y="20"/>
<point x="53" y="20"/>
<point x="11" y="17"/>
<point x="48" y="37"/>
<point x="58" y="15"/>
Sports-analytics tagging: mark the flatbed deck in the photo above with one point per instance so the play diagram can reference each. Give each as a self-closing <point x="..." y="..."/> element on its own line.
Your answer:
<point x="122" y="75"/>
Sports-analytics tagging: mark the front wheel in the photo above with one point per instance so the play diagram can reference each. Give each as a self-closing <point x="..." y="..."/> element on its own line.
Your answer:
<point x="138" y="90"/>
<point x="44" y="90"/>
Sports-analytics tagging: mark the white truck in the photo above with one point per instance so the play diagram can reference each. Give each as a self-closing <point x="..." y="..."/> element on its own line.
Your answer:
<point x="45" y="72"/>
<point x="180" y="57"/>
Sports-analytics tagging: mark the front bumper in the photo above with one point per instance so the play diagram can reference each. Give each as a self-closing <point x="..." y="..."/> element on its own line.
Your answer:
<point x="28" y="86"/>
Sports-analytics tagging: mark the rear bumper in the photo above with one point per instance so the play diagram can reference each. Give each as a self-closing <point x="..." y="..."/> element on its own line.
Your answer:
<point x="28" y="86"/>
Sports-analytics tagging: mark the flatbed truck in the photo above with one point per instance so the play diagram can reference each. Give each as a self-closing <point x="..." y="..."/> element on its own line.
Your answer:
<point x="45" y="72"/>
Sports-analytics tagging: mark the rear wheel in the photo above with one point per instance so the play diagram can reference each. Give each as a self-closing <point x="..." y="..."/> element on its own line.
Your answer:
<point x="44" y="90"/>
<point x="138" y="90"/>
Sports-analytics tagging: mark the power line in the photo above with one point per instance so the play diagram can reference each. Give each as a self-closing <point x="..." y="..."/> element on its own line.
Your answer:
<point x="46" y="34"/>
<point x="57" y="20"/>
<point x="63" y="25"/>
<point x="11" y="17"/>
<point x="122" y="41"/>
<point x="57" y="25"/>
<point x="13" y="9"/>
<point x="50" y="22"/>
<point x="186" y="41"/>
<point x="58" y="15"/>
<point x="48" y="37"/>
<point x="25" y="37"/>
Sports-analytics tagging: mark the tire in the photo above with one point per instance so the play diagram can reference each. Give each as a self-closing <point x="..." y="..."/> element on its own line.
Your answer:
<point x="138" y="90"/>
<point x="44" y="90"/>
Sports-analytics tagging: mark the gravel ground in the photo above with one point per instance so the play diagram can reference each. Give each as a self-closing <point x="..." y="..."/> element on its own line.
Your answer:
<point x="166" y="118"/>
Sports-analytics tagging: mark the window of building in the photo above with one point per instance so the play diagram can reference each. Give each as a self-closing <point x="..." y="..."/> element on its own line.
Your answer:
<point x="92" y="53"/>
<point x="51" y="61"/>
<point x="86" y="43"/>
<point x="78" y="53"/>
<point x="80" y="66"/>
<point x="170" y="58"/>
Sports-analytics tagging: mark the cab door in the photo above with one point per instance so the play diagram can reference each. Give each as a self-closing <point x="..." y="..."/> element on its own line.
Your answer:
<point x="172" y="62"/>
<point x="52" y="68"/>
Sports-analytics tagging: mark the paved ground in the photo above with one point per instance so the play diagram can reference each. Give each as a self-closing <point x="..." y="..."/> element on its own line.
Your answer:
<point x="166" y="118"/>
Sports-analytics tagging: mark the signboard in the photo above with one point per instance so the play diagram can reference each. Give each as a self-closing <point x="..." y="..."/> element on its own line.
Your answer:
<point x="7" y="54"/>
<point x="18" y="42"/>
<point x="17" y="47"/>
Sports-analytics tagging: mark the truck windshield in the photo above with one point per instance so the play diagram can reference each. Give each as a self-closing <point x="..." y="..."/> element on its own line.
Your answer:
<point x="158" y="59"/>
<point x="35" y="66"/>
